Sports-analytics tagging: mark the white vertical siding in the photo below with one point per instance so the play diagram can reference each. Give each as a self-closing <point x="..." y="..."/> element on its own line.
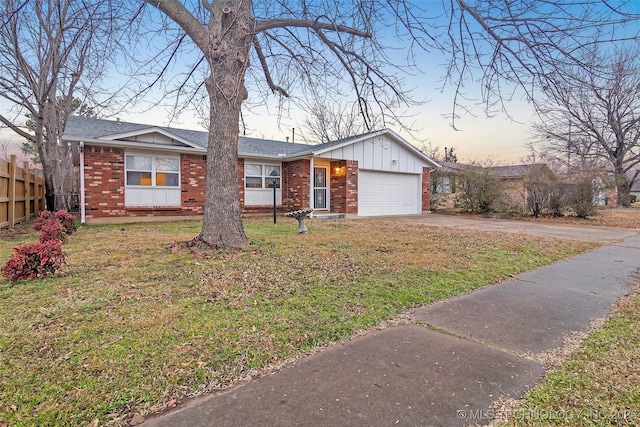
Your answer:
<point x="378" y="153"/>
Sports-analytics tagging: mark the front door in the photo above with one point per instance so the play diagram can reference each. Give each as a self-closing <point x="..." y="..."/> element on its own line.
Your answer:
<point x="320" y="188"/>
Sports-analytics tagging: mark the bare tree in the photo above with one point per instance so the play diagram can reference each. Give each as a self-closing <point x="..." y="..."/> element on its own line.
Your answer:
<point x="53" y="53"/>
<point x="333" y="121"/>
<point x="291" y="46"/>
<point x="512" y="46"/>
<point x="4" y="149"/>
<point x="592" y="115"/>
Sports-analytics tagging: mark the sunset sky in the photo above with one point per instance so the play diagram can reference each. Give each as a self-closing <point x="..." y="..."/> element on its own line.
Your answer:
<point x="500" y="138"/>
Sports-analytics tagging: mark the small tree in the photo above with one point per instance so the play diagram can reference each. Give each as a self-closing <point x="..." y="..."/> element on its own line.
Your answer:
<point x="557" y="200"/>
<point x="478" y="190"/>
<point x="582" y="194"/>
<point x="539" y="188"/>
<point x="53" y="53"/>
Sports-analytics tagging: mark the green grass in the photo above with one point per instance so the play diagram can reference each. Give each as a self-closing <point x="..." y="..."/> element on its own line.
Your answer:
<point x="130" y="324"/>
<point x="599" y="385"/>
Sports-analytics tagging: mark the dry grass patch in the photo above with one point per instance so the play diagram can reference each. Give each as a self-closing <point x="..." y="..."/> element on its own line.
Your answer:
<point x="135" y="321"/>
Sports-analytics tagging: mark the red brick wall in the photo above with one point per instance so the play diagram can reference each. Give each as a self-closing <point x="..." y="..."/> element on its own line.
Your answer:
<point x="104" y="185"/>
<point x="426" y="189"/>
<point x="296" y="177"/>
<point x="352" y="187"/>
<point x="338" y="186"/>
<point x="193" y="176"/>
<point x="104" y="182"/>
<point x="344" y="186"/>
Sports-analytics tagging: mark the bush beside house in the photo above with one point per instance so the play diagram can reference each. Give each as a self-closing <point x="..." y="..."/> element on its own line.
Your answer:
<point x="45" y="257"/>
<point x="523" y="189"/>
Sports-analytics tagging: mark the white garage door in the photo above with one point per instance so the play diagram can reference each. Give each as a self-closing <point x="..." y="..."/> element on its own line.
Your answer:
<point x="387" y="193"/>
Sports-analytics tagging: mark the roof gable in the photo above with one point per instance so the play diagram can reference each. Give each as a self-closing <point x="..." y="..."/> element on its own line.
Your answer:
<point x="320" y="149"/>
<point x="118" y="132"/>
<point x="154" y="136"/>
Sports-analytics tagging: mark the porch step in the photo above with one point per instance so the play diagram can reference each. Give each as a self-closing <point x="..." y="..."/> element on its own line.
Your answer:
<point x="329" y="216"/>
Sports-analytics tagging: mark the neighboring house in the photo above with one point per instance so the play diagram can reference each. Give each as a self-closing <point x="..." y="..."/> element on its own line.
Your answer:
<point x="515" y="180"/>
<point x="605" y="192"/>
<point x="444" y="182"/>
<point x="518" y="180"/>
<point x="133" y="172"/>
<point x="635" y="189"/>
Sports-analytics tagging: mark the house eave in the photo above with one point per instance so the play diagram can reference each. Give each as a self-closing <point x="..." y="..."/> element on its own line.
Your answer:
<point x="137" y="145"/>
<point x="145" y="131"/>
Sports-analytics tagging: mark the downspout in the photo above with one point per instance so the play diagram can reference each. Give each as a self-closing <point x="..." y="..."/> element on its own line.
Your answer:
<point x="311" y="190"/>
<point x="430" y="170"/>
<point x="82" y="207"/>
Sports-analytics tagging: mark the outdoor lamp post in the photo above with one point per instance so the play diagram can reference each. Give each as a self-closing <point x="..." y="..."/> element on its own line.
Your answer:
<point x="274" y="179"/>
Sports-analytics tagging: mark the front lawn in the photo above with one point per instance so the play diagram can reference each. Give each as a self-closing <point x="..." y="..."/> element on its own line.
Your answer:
<point x="134" y="321"/>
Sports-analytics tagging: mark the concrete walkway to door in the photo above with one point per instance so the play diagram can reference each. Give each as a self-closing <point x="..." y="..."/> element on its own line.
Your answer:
<point x="458" y="357"/>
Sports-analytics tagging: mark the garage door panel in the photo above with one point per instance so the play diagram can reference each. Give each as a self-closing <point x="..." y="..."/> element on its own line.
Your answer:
<point x="386" y="193"/>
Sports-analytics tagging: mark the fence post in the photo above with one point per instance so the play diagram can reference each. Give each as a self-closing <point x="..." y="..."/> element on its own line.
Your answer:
<point x="12" y="190"/>
<point x="27" y="191"/>
<point x="36" y="193"/>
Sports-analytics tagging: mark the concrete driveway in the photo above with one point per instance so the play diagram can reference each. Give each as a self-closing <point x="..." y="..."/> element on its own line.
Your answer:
<point x="564" y="231"/>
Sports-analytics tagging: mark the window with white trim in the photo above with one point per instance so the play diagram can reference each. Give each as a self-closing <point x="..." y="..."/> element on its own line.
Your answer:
<point x="152" y="171"/>
<point x="258" y="175"/>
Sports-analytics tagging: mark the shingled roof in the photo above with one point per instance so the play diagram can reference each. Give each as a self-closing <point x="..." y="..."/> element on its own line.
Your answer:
<point x="518" y="171"/>
<point x="87" y="128"/>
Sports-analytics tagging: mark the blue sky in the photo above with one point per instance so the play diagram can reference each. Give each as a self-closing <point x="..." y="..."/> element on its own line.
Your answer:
<point x="499" y="138"/>
<point x="478" y="137"/>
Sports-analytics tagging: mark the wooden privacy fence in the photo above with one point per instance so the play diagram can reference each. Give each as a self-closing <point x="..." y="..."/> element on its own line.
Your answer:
<point x="21" y="193"/>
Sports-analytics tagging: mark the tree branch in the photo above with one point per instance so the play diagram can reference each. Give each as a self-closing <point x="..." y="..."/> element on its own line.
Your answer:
<point x="265" y="69"/>
<point x="307" y="23"/>
<point x="16" y="129"/>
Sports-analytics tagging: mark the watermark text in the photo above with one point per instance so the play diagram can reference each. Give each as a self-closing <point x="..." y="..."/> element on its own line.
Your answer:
<point x="548" y="414"/>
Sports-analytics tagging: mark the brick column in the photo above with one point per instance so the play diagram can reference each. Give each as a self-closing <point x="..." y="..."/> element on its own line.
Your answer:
<point x="193" y="174"/>
<point x="338" y="186"/>
<point x="352" y="187"/>
<point x="296" y="176"/>
<point x="104" y="181"/>
<point x="426" y="189"/>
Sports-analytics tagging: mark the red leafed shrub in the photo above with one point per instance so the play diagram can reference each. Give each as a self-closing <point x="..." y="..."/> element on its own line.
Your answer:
<point x="43" y="217"/>
<point x="38" y="260"/>
<point x="55" y="225"/>
<point x="67" y="220"/>
<point x="51" y="229"/>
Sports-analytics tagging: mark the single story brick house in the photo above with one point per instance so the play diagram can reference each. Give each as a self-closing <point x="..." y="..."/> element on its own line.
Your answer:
<point x="136" y="172"/>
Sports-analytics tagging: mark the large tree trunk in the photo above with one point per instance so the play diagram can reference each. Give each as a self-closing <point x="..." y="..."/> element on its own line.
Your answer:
<point x="222" y="223"/>
<point x="228" y="59"/>
<point x="624" y="190"/>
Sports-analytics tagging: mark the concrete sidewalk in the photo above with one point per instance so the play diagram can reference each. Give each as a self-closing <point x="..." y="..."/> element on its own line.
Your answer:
<point x="444" y="375"/>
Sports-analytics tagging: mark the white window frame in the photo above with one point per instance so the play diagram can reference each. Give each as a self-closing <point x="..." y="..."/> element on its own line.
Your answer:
<point x="153" y="195"/>
<point x="153" y="171"/>
<point x="265" y="177"/>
